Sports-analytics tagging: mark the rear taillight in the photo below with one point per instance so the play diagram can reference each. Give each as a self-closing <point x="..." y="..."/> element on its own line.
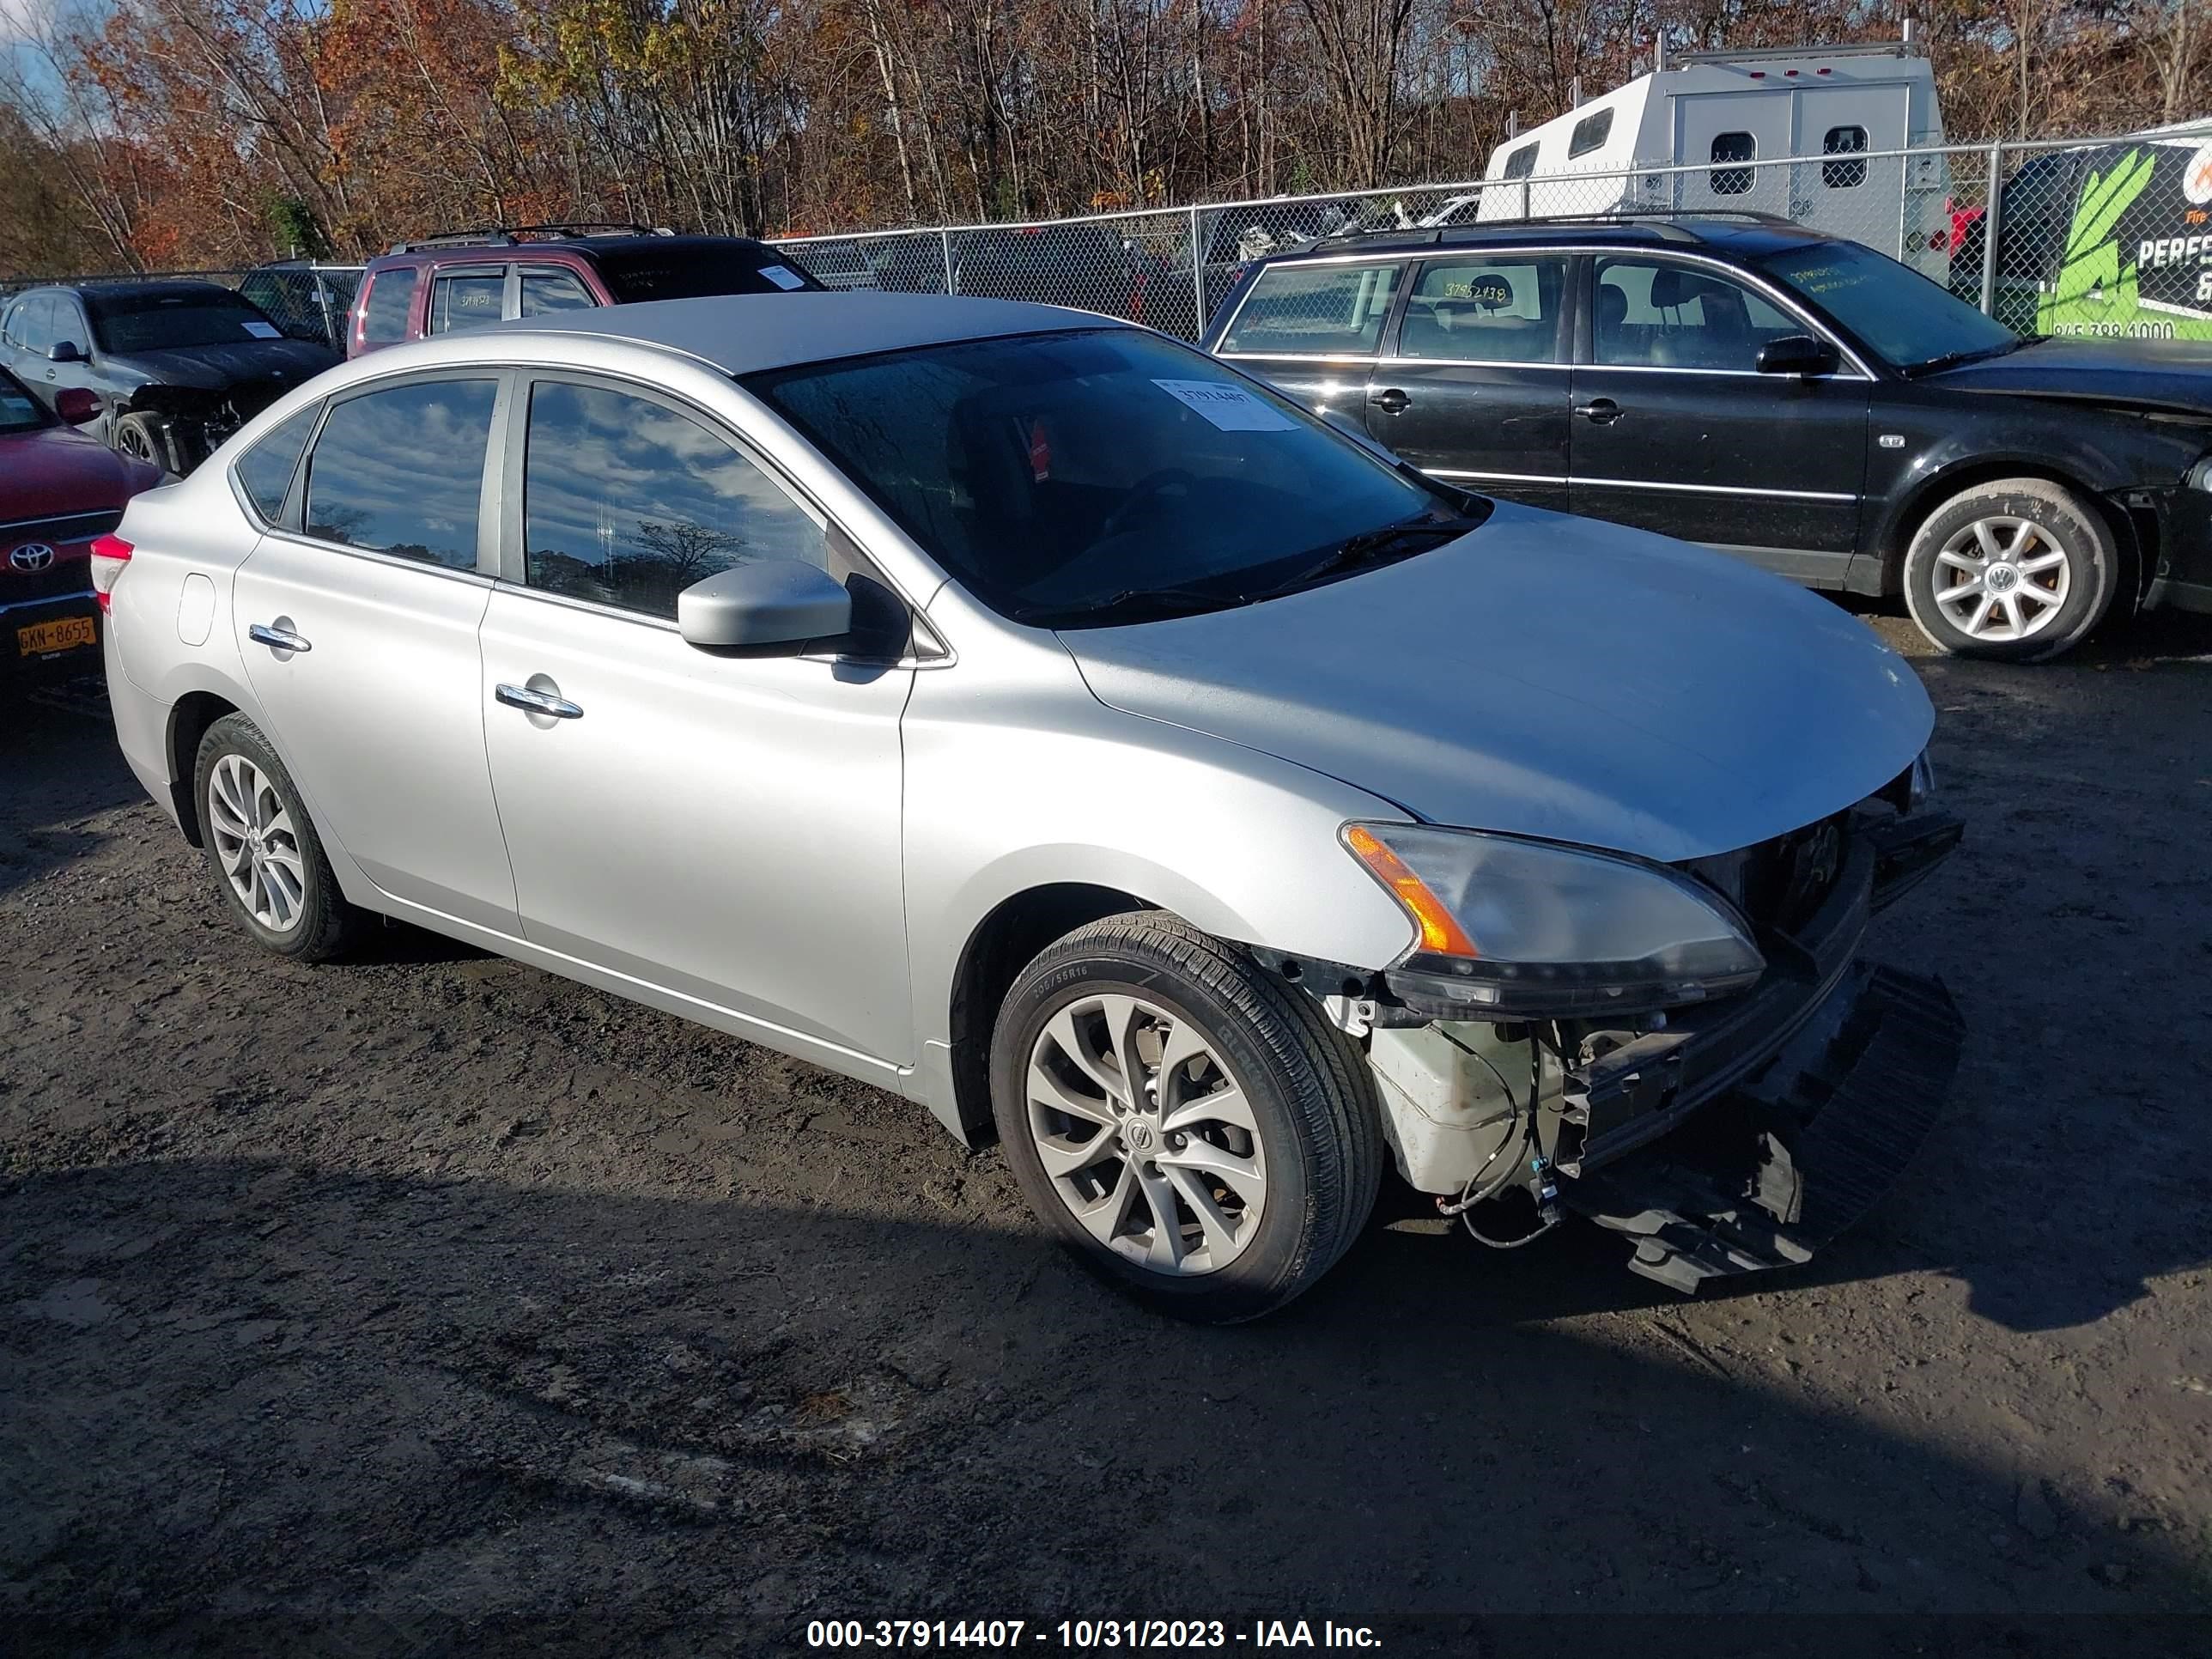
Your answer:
<point x="109" y="555"/>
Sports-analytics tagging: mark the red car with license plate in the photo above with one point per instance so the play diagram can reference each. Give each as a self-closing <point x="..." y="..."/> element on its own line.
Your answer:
<point x="60" y="491"/>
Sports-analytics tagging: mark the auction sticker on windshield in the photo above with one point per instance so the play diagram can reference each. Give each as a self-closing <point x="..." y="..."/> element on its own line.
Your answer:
<point x="783" y="277"/>
<point x="1230" y="408"/>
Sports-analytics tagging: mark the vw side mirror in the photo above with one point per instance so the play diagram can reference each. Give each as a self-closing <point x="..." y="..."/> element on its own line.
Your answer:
<point x="764" y="602"/>
<point x="75" y="406"/>
<point x="65" y="351"/>
<point x="1797" y="354"/>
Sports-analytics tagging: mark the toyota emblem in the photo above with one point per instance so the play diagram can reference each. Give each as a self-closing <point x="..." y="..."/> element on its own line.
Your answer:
<point x="32" y="556"/>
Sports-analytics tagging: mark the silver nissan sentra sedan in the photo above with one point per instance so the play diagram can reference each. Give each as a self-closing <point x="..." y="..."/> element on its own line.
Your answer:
<point x="1025" y="713"/>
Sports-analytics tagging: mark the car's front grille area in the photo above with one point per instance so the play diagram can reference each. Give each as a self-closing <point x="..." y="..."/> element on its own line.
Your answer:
<point x="1778" y="884"/>
<point x="69" y="573"/>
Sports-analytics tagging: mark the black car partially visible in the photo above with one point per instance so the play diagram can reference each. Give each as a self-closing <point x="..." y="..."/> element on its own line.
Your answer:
<point x="177" y="367"/>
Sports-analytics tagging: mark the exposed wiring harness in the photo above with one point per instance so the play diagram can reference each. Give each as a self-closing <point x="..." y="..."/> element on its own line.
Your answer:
<point x="1518" y="1138"/>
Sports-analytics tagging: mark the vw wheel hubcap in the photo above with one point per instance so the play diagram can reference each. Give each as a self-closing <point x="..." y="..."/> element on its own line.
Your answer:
<point x="2003" y="579"/>
<point x="1145" y="1134"/>
<point x="255" y="842"/>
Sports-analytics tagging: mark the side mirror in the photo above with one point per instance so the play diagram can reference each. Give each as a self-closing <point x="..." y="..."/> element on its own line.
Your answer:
<point x="75" y="406"/>
<point x="1797" y="354"/>
<point x="65" y="351"/>
<point x="764" y="602"/>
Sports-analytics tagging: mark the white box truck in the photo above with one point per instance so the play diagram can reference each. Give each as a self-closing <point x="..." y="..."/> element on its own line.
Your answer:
<point x="1806" y="133"/>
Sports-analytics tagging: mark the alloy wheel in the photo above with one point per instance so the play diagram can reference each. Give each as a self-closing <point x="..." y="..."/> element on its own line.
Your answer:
<point x="2007" y="577"/>
<point x="256" y="844"/>
<point x="1145" y="1134"/>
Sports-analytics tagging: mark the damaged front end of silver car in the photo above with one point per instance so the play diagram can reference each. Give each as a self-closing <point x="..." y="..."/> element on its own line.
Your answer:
<point x="1728" y="1100"/>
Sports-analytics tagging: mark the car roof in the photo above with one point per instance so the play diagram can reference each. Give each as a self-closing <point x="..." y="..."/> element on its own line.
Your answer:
<point x="1746" y="234"/>
<point x="493" y="249"/>
<point x="155" y="290"/>
<point x="740" y="333"/>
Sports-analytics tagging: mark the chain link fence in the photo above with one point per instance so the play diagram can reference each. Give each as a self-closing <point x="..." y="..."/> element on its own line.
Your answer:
<point x="2076" y="238"/>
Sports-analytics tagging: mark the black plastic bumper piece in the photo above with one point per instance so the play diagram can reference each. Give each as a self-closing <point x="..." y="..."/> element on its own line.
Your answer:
<point x="1791" y="1157"/>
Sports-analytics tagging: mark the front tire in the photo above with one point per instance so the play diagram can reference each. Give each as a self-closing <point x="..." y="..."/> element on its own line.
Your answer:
<point x="2019" y="570"/>
<point x="263" y="847"/>
<point x="1190" y="1128"/>
<point x="139" y="436"/>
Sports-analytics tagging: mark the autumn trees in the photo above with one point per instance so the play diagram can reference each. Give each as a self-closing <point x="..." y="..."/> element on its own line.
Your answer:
<point x="173" y="133"/>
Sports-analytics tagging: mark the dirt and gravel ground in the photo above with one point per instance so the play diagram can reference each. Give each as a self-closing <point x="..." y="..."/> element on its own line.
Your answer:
<point x="429" y="1305"/>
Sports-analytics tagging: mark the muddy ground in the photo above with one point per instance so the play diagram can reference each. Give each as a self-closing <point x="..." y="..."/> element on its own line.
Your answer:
<point x="429" y="1305"/>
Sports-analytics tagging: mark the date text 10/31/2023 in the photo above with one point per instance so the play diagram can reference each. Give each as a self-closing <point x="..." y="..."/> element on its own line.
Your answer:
<point x="1086" y="1635"/>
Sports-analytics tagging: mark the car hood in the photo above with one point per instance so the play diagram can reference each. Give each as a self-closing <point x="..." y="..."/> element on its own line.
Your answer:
<point x="54" y="472"/>
<point x="1547" y="676"/>
<point x="217" y="367"/>
<point x="2175" y="374"/>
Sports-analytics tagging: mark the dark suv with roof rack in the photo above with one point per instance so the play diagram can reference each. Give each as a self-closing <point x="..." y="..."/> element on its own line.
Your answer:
<point x="469" y="277"/>
<point x="1799" y="400"/>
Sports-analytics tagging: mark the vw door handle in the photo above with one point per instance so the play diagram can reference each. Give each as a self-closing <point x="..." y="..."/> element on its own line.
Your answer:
<point x="1390" y="400"/>
<point x="532" y="700"/>
<point x="277" y="639"/>
<point x="1602" y="411"/>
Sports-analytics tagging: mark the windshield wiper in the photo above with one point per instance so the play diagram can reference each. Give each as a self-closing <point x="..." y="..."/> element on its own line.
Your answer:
<point x="1370" y="544"/>
<point x="1147" y="603"/>
<point x="1953" y="359"/>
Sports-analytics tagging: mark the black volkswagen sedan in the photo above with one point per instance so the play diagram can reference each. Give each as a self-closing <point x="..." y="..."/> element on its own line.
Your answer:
<point x="1798" y="400"/>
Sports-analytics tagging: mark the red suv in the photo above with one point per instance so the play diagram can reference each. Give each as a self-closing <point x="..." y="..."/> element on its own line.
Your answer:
<point x="59" y="492"/>
<point x="460" y="281"/>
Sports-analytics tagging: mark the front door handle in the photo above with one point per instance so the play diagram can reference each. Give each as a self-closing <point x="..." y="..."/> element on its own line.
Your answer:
<point x="277" y="639"/>
<point x="1389" y="400"/>
<point x="531" y="700"/>
<point x="1602" y="411"/>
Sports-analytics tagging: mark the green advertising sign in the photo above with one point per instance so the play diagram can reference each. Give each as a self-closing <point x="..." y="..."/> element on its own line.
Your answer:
<point x="2137" y="260"/>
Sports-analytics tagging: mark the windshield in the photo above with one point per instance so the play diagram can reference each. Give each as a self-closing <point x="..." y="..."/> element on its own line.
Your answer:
<point x="1907" y="320"/>
<point x="19" y="412"/>
<point x="678" y="270"/>
<point x="163" y="318"/>
<point x="1098" y="476"/>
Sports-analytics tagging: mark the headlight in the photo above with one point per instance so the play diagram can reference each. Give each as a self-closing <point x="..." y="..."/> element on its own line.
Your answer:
<point x="1526" y="928"/>
<point x="2199" y="476"/>
<point x="1920" y="784"/>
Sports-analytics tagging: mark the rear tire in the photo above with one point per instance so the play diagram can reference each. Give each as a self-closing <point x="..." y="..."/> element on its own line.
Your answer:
<point x="2018" y="570"/>
<point x="263" y="848"/>
<point x="1244" y="1159"/>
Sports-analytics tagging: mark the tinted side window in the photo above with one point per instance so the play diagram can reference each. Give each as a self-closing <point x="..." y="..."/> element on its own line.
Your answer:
<point x="68" y="320"/>
<point x="1590" y="133"/>
<point x="626" y="503"/>
<point x="1732" y="147"/>
<point x="1654" y="315"/>
<point x="264" y="472"/>
<point x="385" y="318"/>
<point x="1844" y="141"/>
<point x="467" y="299"/>
<point x="1495" y="310"/>
<point x="1316" y="309"/>
<point x="33" y="324"/>
<point x="1520" y="163"/>
<point x="401" y="471"/>
<point x="548" y="291"/>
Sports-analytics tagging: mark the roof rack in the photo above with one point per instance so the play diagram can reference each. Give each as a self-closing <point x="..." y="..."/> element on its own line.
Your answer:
<point x="1905" y="48"/>
<point x="514" y="235"/>
<point x="1417" y="235"/>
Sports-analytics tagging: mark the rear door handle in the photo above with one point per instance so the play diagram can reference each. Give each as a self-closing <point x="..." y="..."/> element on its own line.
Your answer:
<point x="1601" y="410"/>
<point x="533" y="702"/>
<point x="277" y="639"/>
<point x="1389" y="400"/>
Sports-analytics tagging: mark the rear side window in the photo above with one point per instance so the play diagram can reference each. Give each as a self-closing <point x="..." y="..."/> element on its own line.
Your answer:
<point x="1521" y="162"/>
<point x="264" y="472"/>
<point x="384" y="314"/>
<point x="1497" y="311"/>
<point x="33" y="322"/>
<point x="467" y="299"/>
<point x="1844" y="141"/>
<point x="545" y="292"/>
<point x="1590" y="133"/>
<point x="1310" y="309"/>
<point x="627" y="502"/>
<point x="401" y="471"/>
<point x="1732" y="147"/>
